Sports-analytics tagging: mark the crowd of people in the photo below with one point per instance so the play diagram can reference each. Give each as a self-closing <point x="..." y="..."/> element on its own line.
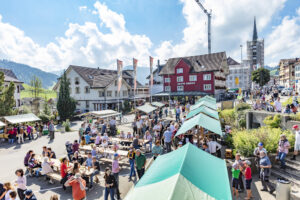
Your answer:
<point x="18" y="133"/>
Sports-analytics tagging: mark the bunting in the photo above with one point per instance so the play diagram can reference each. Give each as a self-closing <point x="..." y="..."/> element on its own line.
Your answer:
<point x="120" y="68"/>
<point x="135" y="61"/>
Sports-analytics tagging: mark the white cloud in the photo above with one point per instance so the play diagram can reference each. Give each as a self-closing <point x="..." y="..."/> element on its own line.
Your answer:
<point x="284" y="41"/>
<point x="82" y="8"/>
<point x="232" y="25"/>
<point x="81" y="44"/>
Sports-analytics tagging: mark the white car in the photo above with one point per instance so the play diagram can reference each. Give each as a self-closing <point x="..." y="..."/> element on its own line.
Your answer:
<point x="287" y="92"/>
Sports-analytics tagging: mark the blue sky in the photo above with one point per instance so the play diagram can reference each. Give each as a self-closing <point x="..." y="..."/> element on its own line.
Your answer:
<point x="44" y="20"/>
<point x="161" y="28"/>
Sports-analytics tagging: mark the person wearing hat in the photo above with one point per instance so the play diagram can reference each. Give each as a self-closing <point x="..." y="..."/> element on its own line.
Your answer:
<point x="140" y="163"/>
<point x="240" y="164"/>
<point x="78" y="187"/>
<point x="29" y="195"/>
<point x="283" y="150"/>
<point x="235" y="179"/>
<point x="110" y="184"/>
<point x="265" y="165"/>
<point x="256" y="153"/>
<point x="69" y="149"/>
<point x="297" y="141"/>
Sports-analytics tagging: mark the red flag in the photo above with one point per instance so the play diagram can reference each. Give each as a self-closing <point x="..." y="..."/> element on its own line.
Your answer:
<point x="120" y="68"/>
<point x="151" y="70"/>
<point x="135" y="61"/>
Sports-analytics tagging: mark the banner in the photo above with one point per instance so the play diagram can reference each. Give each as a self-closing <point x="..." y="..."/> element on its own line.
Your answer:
<point x="151" y="70"/>
<point x="135" y="61"/>
<point x="120" y="68"/>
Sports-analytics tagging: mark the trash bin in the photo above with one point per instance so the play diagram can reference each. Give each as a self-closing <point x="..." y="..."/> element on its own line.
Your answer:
<point x="283" y="189"/>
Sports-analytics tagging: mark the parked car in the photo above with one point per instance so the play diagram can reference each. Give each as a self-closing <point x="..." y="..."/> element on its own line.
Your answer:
<point x="287" y="92"/>
<point x="280" y="88"/>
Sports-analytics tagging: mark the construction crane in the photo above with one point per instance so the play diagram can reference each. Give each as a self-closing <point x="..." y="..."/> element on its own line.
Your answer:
<point x="208" y="25"/>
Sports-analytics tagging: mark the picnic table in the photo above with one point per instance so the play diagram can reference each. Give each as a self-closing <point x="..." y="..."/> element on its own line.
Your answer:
<point x="56" y="163"/>
<point x="102" y="151"/>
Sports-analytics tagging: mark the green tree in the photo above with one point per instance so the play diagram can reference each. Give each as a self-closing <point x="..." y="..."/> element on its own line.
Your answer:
<point x="46" y="110"/>
<point x="65" y="104"/>
<point x="1" y="92"/>
<point x="8" y="99"/>
<point x="36" y="86"/>
<point x="261" y="76"/>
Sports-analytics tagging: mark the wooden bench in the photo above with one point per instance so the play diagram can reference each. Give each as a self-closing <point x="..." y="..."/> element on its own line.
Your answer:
<point x="54" y="176"/>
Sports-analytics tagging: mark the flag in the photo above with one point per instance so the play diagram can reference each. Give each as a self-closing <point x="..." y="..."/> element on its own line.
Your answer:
<point x="120" y="68"/>
<point x="135" y="61"/>
<point x="151" y="69"/>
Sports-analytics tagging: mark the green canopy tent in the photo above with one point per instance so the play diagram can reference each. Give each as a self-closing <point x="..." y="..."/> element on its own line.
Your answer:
<point x="158" y="104"/>
<point x="185" y="174"/>
<point x="205" y="103"/>
<point x="147" y="108"/>
<point x="205" y="110"/>
<point x="202" y="121"/>
<point x="207" y="98"/>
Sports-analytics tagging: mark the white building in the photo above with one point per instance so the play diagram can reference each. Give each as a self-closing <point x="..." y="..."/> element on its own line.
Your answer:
<point x="239" y="74"/>
<point x="96" y="89"/>
<point x="158" y="85"/>
<point x="9" y="76"/>
<point x="297" y="76"/>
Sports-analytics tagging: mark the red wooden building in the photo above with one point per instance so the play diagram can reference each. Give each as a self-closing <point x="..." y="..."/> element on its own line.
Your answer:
<point x="195" y="75"/>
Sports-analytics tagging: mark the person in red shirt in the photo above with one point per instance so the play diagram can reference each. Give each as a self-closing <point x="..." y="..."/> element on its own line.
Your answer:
<point x="78" y="187"/>
<point x="64" y="172"/>
<point x="248" y="178"/>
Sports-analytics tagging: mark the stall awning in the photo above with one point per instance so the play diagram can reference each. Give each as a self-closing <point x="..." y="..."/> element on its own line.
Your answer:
<point x="203" y="109"/>
<point x="187" y="173"/>
<point x="15" y="119"/>
<point x="147" y="108"/>
<point x="158" y="104"/>
<point x="2" y="124"/>
<point x="190" y="93"/>
<point x="207" y="98"/>
<point x="201" y="120"/>
<point x="205" y="103"/>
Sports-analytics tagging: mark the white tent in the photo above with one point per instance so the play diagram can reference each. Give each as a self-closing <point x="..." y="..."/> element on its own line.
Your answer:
<point x="147" y="108"/>
<point x="158" y="104"/>
<point x="2" y="124"/>
<point x="15" y="119"/>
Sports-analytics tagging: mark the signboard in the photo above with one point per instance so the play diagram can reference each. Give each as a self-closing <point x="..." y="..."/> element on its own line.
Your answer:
<point x="236" y="80"/>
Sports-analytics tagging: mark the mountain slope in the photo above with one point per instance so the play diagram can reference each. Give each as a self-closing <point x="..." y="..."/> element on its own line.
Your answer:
<point x="26" y="72"/>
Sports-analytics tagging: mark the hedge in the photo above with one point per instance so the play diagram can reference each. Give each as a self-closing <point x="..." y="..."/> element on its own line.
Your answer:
<point x="245" y="141"/>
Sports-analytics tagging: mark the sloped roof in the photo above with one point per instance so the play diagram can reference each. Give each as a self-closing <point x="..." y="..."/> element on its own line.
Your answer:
<point x="100" y="78"/>
<point x="10" y="76"/>
<point x="231" y="61"/>
<point x="187" y="173"/>
<point x="206" y="62"/>
<point x="159" y="68"/>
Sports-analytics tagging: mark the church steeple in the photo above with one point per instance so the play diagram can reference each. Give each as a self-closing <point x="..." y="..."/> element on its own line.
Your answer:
<point x="254" y="31"/>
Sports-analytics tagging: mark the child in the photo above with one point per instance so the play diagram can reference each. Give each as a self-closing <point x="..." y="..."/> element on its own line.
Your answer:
<point x="235" y="179"/>
<point x="248" y="177"/>
<point x="82" y="143"/>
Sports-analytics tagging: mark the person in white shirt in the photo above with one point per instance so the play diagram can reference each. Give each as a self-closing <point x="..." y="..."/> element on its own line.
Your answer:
<point x="183" y="119"/>
<point x="277" y="105"/>
<point x="139" y="126"/>
<point x="213" y="146"/>
<point x="172" y="127"/>
<point x="105" y="137"/>
<point x="46" y="168"/>
<point x="297" y="141"/>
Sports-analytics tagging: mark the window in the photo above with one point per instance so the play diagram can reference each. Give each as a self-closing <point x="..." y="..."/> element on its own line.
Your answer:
<point x="87" y="104"/>
<point x="19" y="103"/>
<point x="77" y="81"/>
<point x="87" y="89"/>
<point x="180" y="88"/>
<point x="179" y="70"/>
<point x="18" y="89"/>
<point x="116" y="83"/>
<point x="207" y="77"/>
<point x="193" y="77"/>
<point x="125" y="93"/>
<point x="116" y="93"/>
<point x="70" y="90"/>
<point x="230" y="77"/>
<point x="101" y="93"/>
<point x="77" y="89"/>
<point x="109" y="93"/>
<point x="167" y="88"/>
<point x="207" y="86"/>
<point x="167" y="80"/>
<point x="179" y="78"/>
